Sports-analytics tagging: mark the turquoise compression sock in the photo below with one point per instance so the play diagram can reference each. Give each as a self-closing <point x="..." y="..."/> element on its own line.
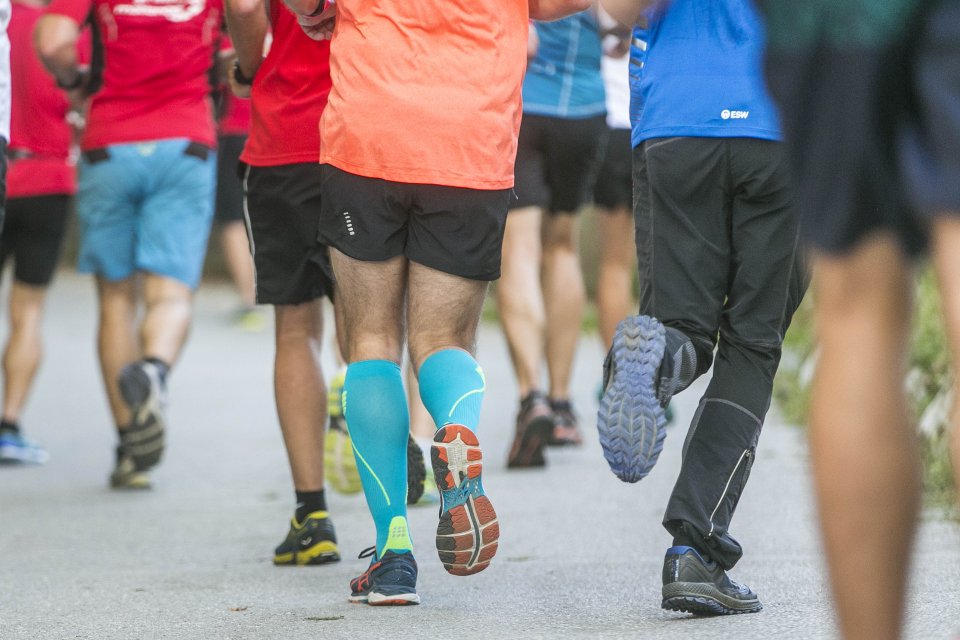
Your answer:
<point x="375" y="408"/>
<point x="451" y="387"/>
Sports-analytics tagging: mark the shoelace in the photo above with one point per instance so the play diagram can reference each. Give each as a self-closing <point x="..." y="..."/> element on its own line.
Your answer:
<point x="366" y="553"/>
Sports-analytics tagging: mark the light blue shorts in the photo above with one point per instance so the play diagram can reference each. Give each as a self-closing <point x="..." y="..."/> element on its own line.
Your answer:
<point x="146" y="206"/>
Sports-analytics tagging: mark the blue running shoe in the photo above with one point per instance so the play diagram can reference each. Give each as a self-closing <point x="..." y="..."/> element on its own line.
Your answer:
<point x="14" y="448"/>
<point x="389" y="581"/>
<point x="631" y="419"/>
<point x="700" y="586"/>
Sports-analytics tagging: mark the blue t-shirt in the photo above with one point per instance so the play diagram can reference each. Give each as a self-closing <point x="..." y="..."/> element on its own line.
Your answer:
<point x="563" y="80"/>
<point x="697" y="71"/>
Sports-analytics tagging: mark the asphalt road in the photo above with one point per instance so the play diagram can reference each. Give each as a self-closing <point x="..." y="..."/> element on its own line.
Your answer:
<point x="580" y="553"/>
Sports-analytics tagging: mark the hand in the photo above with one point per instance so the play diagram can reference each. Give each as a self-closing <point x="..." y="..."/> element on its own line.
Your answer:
<point x="320" y="26"/>
<point x="239" y="90"/>
<point x="533" y="42"/>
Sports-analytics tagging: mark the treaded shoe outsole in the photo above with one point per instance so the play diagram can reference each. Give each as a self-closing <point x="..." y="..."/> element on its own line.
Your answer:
<point x="143" y="439"/>
<point x="631" y="421"/>
<point x="533" y="442"/>
<point x="416" y="471"/>
<point x="468" y="530"/>
<point x="696" y="598"/>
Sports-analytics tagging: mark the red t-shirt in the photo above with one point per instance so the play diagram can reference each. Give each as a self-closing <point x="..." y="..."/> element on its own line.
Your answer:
<point x="157" y="56"/>
<point x="289" y="93"/>
<point x="236" y="115"/>
<point x="37" y="121"/>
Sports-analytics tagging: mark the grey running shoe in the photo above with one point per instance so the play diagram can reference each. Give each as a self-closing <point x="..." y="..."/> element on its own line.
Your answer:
<point x="145" y="393"/>
<point x="631" y="418"/>
<point x="534" y="430"/>
<point x="566" y="426"/>
<point x="126" y="475"/>
<point x="697" y="585"/>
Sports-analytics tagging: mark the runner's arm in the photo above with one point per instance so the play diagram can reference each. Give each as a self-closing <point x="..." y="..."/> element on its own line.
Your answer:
<point x="626" y="12"/>
<point x="248" y="24"/>
<point x="55" y="38"/>
<point x="556" y="9"/>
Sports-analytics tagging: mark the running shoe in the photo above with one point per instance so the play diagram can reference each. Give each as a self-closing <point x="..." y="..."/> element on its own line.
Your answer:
<point x="468" y="530"/>
<point x="16" y="449"/>
<point x="145" y="393"/>
<point x="249" y="319"/>
<point x="312" y="541"/>
<point x="566" y="426"/>
<point x="534" y="430"/>
<point x="431" y="494"/>
<point x="631" y="418"/>
<point x="698" y="585"/>
<point x="389" y="581"/>
<point x="126" y="474"/>
<point x="339" y="463"/>
<point x="416" y="471"/>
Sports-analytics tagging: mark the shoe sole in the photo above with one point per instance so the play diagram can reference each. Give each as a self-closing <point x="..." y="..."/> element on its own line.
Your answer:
<point x="324" y="552"/>
<point x="532" y="444"/>
<point x="468" y="530"/>
<point x="570" y="437"/>
<point x="631" y="421"/>
<point x="340" y="464"/>
<point x="375" y="599"/>
<point x="704" y="600"/>
<point x="143" y="440"/>
<point x="137" y="481"/>
<point x="416" y="471"/>
<point x="13" y="454"/>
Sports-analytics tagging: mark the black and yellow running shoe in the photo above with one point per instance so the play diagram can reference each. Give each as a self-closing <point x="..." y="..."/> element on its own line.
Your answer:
<point x="313" y="541"/>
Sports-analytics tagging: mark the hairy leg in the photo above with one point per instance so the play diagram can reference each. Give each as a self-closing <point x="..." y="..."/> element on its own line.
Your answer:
<point x="565" y="296"/>
<point x="116" y="339"/>
<point x="864" y="448"/>
<point x="21" y="358"/>
<point x="300" y="392"/>
<point x="615" y="299"/>
<point x="444" y="311"/>
<point x="946" y="254"/>
<point x="369" y="300"/>
<point x="166" y="320"/>
<point x="520" y="298"/>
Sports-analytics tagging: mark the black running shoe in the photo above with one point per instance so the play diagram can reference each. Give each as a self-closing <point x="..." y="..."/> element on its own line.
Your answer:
<point x="312" y="541"/>
<point x="145" y="393"/>
<point x="416" y="471"/>
<point x="534" y="430"/>
<point x="697" y="585"/>
<point x="389" y="581"/>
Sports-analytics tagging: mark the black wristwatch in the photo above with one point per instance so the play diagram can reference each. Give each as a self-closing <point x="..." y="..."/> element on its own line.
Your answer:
<point x="238" y="75"/>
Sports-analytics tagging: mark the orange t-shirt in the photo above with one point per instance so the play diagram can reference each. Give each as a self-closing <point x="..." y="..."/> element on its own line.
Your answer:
<point x="426" y="91"/>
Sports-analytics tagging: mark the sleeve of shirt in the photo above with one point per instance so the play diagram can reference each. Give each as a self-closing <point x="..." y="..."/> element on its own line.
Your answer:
<point x="77" y="10"/>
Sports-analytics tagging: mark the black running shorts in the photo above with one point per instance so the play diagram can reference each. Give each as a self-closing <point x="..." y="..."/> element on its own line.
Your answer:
<point x="282" y="211"/>
<point x="451" y="229"/>
<point x="229" y="183"/>
<point x="874" y="131"/>
<point x="614" y="188"/>
<point x="557" y="161"/>
<point x="33" y="236"/>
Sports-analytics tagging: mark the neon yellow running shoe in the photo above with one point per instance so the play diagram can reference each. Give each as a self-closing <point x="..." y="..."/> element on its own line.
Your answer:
<point x="312" y="541"/>
<point x="340" y="467"/>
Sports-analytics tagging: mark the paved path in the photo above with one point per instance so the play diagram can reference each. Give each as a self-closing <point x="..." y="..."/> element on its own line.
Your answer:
<point x="580" y="554"/>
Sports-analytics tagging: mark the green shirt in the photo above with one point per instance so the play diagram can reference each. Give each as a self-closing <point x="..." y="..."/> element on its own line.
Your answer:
<point x="797" y="25"/>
